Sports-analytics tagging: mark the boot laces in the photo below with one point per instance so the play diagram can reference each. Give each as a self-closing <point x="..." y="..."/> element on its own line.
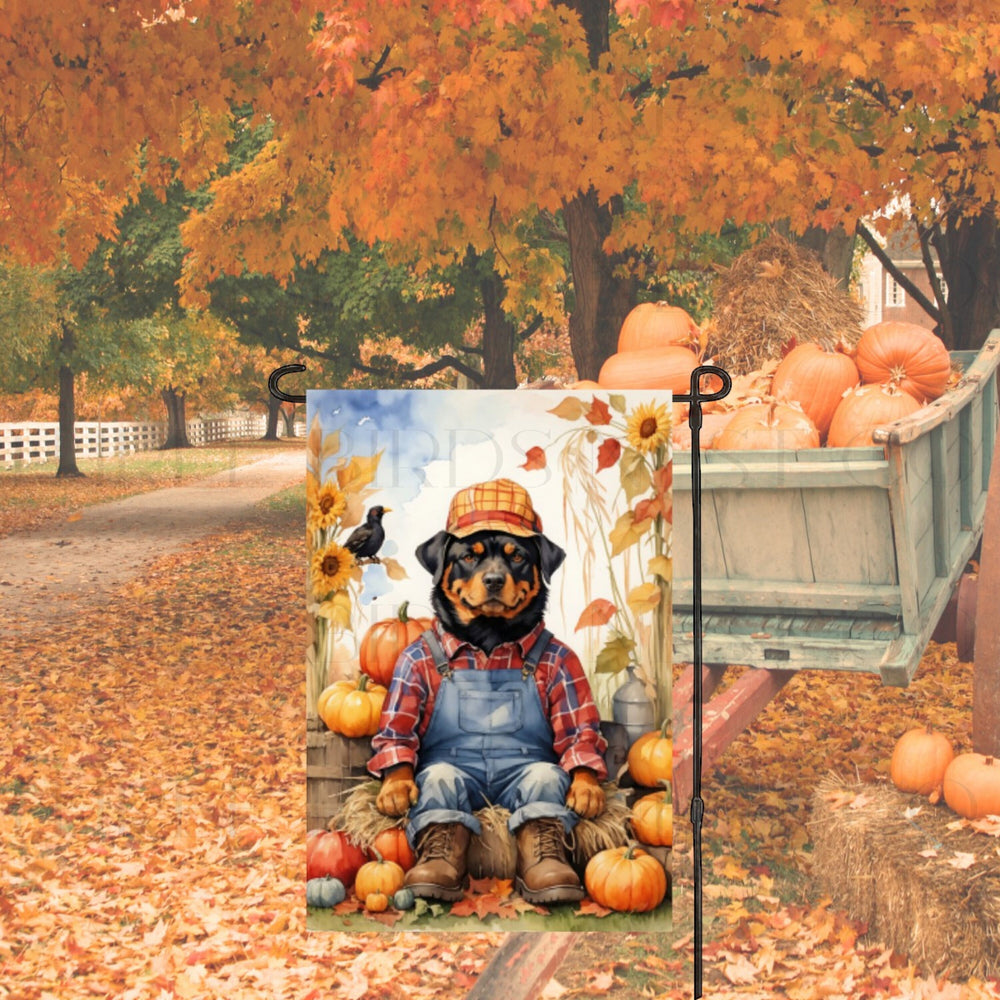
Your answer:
<point x="436" y="844"/>
<point x="549" y="842"/>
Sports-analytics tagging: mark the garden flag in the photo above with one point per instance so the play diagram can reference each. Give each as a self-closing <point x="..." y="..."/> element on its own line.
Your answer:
<point x="489" y="663"/>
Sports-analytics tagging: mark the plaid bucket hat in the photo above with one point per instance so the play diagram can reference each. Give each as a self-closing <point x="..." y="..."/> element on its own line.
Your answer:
<point x="497" y="505"/>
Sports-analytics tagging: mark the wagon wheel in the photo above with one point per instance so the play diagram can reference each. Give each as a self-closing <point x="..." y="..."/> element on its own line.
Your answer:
<point x="965" y="616"/>
<point x="986" y="671"/>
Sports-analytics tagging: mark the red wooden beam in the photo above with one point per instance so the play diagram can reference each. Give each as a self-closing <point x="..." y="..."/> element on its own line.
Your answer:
<point x="683" y="695"/>
<point x="522" y="966"/>
<point x="986" y="668"/>
<point x="724" y="717"/>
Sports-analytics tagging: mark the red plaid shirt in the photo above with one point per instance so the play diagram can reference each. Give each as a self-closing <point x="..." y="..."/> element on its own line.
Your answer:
<point x="562" y="686"/>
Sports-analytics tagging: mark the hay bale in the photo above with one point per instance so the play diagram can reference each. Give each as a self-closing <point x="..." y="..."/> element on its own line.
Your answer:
<point x="774" y="292"/>
<point x="492" y="853"/>
<point x="926" y="884"/>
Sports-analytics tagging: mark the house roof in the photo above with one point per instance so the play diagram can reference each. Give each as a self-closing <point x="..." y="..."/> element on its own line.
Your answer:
<point x="904" y="245"/>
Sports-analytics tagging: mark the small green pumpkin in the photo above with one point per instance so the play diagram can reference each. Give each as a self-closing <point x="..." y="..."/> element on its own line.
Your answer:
<point x="325" y="892"/>
<point x="403" y="899"/>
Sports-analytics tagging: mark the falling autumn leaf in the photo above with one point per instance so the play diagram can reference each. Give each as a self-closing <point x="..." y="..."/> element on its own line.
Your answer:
<point x="598" y="413"/>
<point x="608" y="453"/>
<point x="598" y="612"/>
<point x="571" y="408"/>
<point x="535" y="458"/>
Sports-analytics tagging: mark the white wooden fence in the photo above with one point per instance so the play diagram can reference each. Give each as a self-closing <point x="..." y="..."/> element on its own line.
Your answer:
<point x="32" y="441"/>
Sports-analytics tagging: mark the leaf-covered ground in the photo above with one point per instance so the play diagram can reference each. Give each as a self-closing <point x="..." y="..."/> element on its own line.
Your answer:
<point x="152" y="797"/>
<point x="152" y="814"/>
<point x="767" y="929"/>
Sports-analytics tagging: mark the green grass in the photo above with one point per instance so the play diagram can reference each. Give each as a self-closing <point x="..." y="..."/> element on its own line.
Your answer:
<point x="289" y="501"/>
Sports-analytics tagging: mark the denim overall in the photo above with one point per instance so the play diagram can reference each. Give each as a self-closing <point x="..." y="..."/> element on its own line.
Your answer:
<point x="489" y="741"/>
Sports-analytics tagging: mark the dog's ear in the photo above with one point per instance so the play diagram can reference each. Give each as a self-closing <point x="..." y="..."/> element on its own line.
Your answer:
<point x="551" y="556"/>
<point x="432" y="552"/>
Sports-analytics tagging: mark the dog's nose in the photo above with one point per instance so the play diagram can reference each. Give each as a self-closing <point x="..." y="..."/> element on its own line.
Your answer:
<point x="493" y="581"/>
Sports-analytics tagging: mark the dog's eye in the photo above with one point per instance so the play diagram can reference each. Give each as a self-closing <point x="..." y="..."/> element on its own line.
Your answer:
<point x="517" y="558"/>
<point x="469" y="557"/>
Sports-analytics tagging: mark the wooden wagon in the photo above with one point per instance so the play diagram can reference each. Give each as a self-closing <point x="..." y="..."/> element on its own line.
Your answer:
<point x="829" y="559"/>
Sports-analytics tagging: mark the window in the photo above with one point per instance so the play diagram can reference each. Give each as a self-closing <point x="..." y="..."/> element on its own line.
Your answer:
<point x="895" y="297"/>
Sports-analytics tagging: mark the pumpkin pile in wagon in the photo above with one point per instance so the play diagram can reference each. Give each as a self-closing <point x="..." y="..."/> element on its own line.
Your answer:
<point x="805" y="375"/>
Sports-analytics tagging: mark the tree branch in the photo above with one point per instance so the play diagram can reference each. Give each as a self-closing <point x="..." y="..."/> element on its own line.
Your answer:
<point x="533" y="327"/>
<point x="945" y="326"/>
<point x="886" y="261"/>
<point x="410" y="373"/>
<point x="374" y="79"/>
<point x="401" y="371"/>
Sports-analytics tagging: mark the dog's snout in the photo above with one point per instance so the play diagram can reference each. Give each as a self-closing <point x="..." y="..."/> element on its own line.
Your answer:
<point x="494" y="581"/>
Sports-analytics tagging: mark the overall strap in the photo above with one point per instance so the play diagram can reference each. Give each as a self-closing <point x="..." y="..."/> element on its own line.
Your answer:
<point x="536" y="652"/>
<point x="437" y="652"/>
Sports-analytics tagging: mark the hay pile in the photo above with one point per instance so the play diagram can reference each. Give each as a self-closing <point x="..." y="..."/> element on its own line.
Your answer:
<point x="925" y="885"/>
<point x="493" y="853"/>
<point x="772" y="293"/>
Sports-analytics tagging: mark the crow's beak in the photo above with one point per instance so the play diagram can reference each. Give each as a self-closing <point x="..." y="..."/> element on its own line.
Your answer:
<point x="386" y="510"/>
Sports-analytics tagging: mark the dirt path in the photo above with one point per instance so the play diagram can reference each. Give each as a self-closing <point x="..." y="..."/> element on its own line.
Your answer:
<point x="70" y="566"/>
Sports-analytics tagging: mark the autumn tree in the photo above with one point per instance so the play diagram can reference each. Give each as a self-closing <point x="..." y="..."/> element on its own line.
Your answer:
<point x="444" y="135"/>
<point x="824" y="115"/>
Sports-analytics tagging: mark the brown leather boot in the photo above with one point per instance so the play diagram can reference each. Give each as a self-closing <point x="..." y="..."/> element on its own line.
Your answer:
<point x="544" y="874"/>
<point x="439" y="872"/>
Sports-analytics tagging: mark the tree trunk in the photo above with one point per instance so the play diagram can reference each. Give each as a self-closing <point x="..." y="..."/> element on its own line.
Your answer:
<point x="175" y="401"/>
<point x="67" y="407"/>
<point x="499" y="336"/>
<point x="273" y="411"/>
<point x="969" y="252"/>
<point x="288" y="415"/>
<point x="835" y="248"/>
<point x="601" y="299"/>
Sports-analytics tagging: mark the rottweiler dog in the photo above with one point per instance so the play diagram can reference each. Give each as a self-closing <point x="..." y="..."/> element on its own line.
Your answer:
<point x="490" y="587"/>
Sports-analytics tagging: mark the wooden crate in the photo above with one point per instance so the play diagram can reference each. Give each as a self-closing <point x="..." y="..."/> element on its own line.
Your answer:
<point x="335" y="765"/>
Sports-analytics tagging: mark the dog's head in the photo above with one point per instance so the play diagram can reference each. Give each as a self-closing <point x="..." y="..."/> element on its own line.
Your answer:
<point x="490" y="586"/>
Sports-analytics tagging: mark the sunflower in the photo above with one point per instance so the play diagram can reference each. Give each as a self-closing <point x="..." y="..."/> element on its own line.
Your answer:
<point x="328" y="507"/>
<point x="648" y="427"/>
<point x="332" y="568"/>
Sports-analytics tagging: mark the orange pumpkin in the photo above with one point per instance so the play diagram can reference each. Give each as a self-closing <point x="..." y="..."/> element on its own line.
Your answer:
<point x="649" y="368"/>
<point x="584" y="383"/>
<point x="376" y="902"/>
<point x="865" y="408"/>
<point x="906" y="355"/>
<point x="651" y="758"/>
<point x="380" y="875"/>
<point x="653" y="819"/>
<point x="765" y="426"/>
<point x="352" y="708"/>
<point x="919" y="761"/>
<point x="385" y="640"/>
<point x="657" y="324"/>
<point x="972" y="785"/>
<point x="625" y="879"/>
<point x="816" y="379"/>
<point x="711" y="426"/>
<point x="392" y="845"/>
